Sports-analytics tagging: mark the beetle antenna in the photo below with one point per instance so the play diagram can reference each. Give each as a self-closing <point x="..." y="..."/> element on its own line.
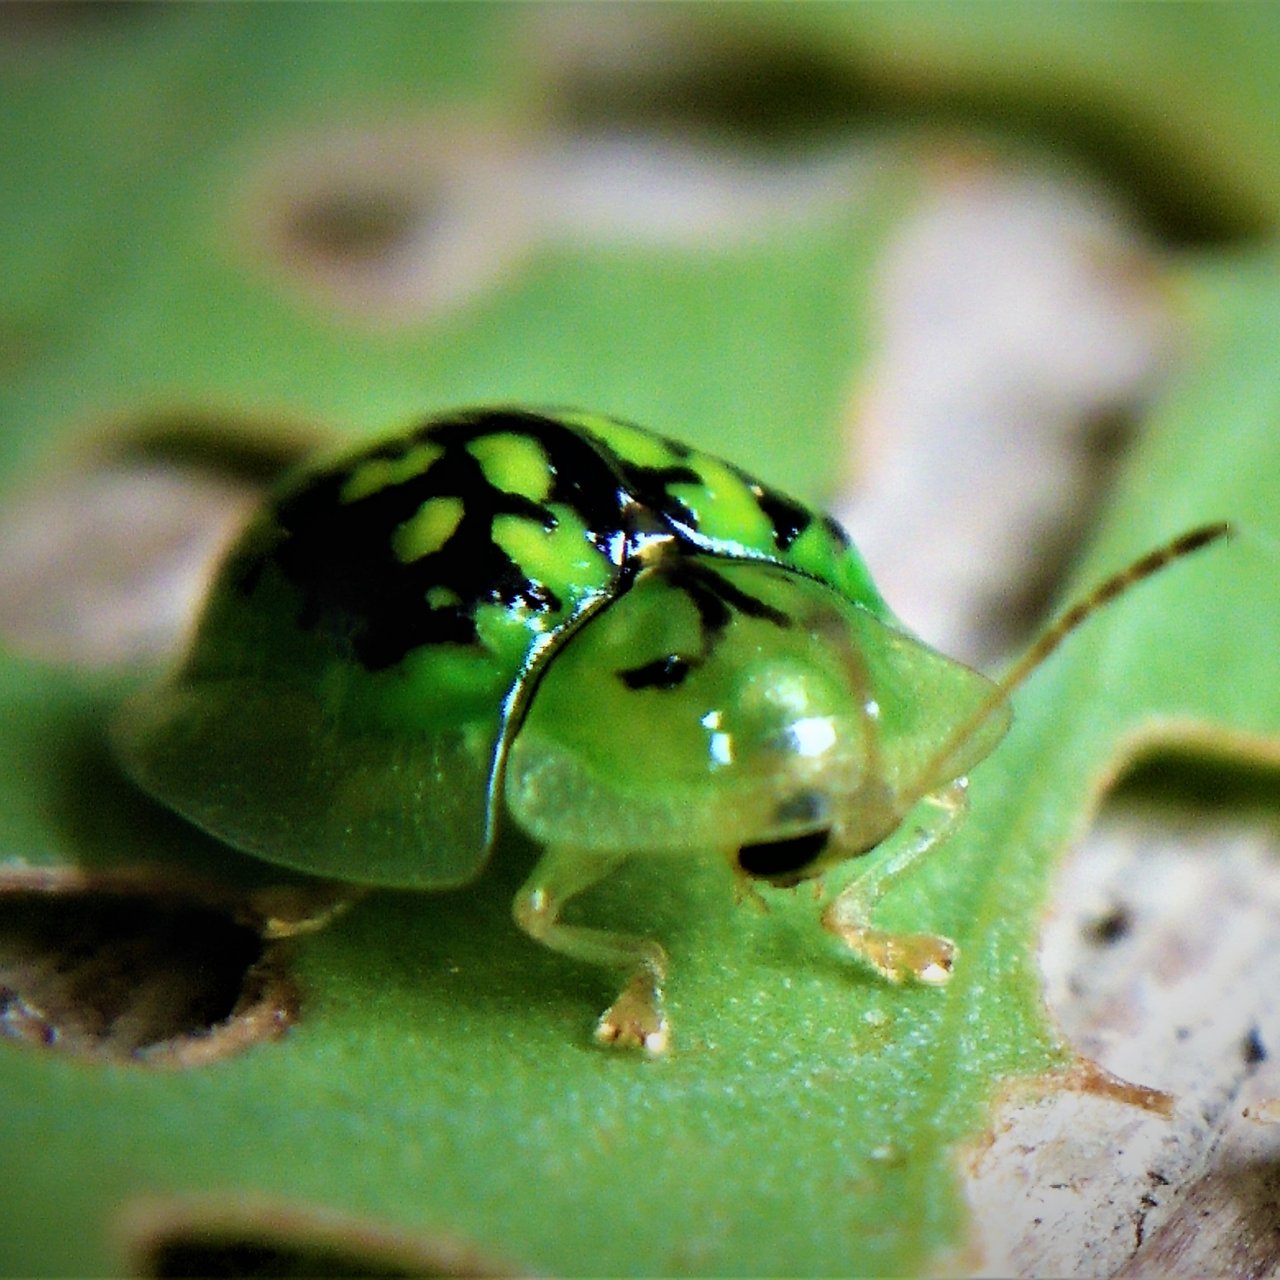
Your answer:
<point x="1048" y="641"/>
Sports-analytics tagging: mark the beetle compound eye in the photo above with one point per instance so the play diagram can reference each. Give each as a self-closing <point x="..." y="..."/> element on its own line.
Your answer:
<point x="783" y="862"/>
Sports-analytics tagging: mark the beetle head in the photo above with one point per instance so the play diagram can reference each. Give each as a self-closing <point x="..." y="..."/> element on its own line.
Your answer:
<point x="742" y="710"/>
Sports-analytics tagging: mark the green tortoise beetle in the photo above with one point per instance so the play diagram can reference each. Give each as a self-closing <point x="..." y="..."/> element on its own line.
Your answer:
<point x="630" y="647"/>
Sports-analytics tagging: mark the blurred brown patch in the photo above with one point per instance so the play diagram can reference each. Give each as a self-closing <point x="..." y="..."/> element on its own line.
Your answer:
<point x="135" y="970"/>
<point x="685" y="69"/>
<point x="105" y="558"/>
<point x="397" y="221"/>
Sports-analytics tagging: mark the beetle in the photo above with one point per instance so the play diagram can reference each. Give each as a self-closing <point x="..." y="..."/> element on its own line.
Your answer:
<point x="622" y="645"/>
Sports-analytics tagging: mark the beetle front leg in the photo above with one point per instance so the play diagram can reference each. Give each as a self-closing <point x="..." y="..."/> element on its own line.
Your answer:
<point x="636" y="1019"/>
<point x="917" y="957"/>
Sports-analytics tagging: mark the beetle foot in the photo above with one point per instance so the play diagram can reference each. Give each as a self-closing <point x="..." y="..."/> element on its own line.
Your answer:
<point x="901" y="957"/>
<point x="744" y="891"/>
<point x="284" y="911"/>
<point x="636" y="1019"/>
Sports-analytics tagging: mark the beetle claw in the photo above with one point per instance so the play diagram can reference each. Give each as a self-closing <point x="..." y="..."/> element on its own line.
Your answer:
<point x="744" y="891"/>
<point x="899" y="957"/>
<point x="636" y="1019"/>
<point x="284" y="911"/>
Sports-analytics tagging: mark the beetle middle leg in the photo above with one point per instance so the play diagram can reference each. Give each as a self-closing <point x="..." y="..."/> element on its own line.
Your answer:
<point x="636" y="1019"/>
<point x="918" y="957"/>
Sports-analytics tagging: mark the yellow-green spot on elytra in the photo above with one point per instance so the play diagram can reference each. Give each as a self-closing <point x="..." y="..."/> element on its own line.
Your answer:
<point x="505" y="641"/>
<point x="513" y="464"/>
<point x="817" y="552"/>
<point x="633" y="443"/>
<point x="378" y="473"/>
<point x="562" y="557"/>
<point x="724" y="506"/>
<point x="428" y="529"/>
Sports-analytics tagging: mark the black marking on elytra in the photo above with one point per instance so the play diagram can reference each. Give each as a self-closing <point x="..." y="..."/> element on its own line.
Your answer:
<point x="715" y="612"/>
<point x="836" y="532"/>
<point x="652" y="488"/>
<point x="371" y="605"/>
<point x="716" y="600"/>
<point x="738" y="599"/>
<point x="373" y="608"/>
<point x="788" y="517"/>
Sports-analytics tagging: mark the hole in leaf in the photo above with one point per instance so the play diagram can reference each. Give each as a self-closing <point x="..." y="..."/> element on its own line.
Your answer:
<point x="1023" y="332"/>
<point x="104" y="561"/>
<point x="109" y="972"/>
<point x="655" y="70"/>
<point x="216" y="1237"/>
<point x="664" y="135"/>
<point x="1173" y="782"/>
<point x="649" y="72"/>
<point x="353" y="226"/>
<point x="251" y="452"/>
<point x="1184" y="1003"/>
<point x="1163" y="920"/>
<point x="1085" y="470"/>
<point x="250" y="1256"/>
<point x="396" y="221"/>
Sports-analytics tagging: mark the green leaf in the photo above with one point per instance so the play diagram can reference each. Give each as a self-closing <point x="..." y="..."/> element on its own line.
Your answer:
<point x="440" y="1078"/>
